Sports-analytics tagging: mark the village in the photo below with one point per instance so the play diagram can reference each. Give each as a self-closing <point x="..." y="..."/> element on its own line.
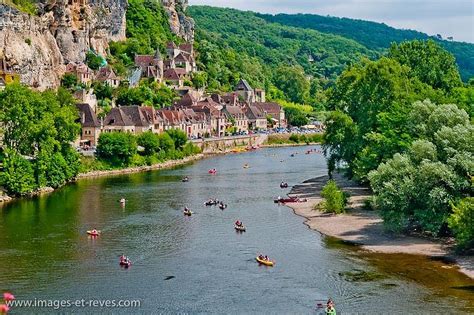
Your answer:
<point x="199" y="115"/>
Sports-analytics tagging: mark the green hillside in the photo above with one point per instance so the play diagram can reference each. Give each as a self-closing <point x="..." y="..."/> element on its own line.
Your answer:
<point x="321" y="55"/>
<point x="375" y="36"/>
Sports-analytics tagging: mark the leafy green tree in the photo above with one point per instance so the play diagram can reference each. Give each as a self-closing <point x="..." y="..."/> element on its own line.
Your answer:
<point x="199" y="79"/>
<point x="93" y="61"/>
<point x="295" y="117"/>
<point x="429" y="62"/>
<point x="166" y="142"/>
<point x="179" y="138"/>
<point x="117" y="148"/>
<point x="293" y="83"/>
<point x="17" y="176"/>
<point x="461" y="222"/>
<point x="69" y="81"/>
<point x="334" y="198"/>
<point x="102" y="90"/>
<point x="150" y="142"/>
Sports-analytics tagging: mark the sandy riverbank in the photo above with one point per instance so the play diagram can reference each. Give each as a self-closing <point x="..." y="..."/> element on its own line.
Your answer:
<point x="363" y="227"/>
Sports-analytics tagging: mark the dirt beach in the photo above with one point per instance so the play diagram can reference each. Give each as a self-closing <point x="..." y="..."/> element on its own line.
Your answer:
<point x="364" y="227"/>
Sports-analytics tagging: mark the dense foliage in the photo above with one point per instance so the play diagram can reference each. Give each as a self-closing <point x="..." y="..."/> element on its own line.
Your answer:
<point x="290" y="63"/>
<point x="147" y="93"/>
<point x="375" y="36"/>
<point x="417" y="156"/>
<point x="38" y="128"/>
<point x="117" y="149"/>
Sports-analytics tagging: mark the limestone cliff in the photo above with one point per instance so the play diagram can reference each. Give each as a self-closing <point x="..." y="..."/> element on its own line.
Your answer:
<point x="180" y="24"/>
<point x="37" y="47"/>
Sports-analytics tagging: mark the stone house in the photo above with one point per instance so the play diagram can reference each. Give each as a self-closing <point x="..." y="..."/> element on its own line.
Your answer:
<point x="256" y="118"/>
<point x="117" y="121"/>
<point x="83" y="73"/>
<point x="107" y="76"/>
<point x="90" y="125"/>
<point x="236" y="118"/>
<point x="274" y="111"/>
<point x="152" y="66"/>
<point x="86" y="96"/>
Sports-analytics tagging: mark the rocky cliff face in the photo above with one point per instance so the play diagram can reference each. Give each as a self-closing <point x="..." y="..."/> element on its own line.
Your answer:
<point x="38" y="46"/>
<point x="180" y="24"/>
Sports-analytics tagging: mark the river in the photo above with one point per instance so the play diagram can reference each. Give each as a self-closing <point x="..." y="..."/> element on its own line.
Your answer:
<point x="199" y="264"/>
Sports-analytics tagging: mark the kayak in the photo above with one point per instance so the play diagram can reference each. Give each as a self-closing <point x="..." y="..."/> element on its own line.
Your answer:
<point x="91" y="233"/>
<point x="331" y="311"/>
<point x="185" y="180"/>
<point x="284" y="185"/>
<point x="265" y="262"/>
<point x="212" y="171"/>
<point x="285" y="200"/>
<point x="125" y="264"/>
<point x="222" y="207"/>
<point x="188" y="213"/>
<point x="239" y="228"/>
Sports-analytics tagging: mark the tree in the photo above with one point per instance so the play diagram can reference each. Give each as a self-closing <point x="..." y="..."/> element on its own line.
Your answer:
<point x="93" y="61"/>
<point x="150" y="142"/>
<point x="69" y="81"/>
<point x="461" y="222"/>
<point x="293" y="83"/>
<point x="199" y="80"/>
<point x="429" y="62"/>
<point x="117" y="148"/>
<point x="334" y="198"/>
<point x="179" y="138"/>
<point x="102" y="90"/>
<point x="166" y="142"/>
<point x="17" y="176"/>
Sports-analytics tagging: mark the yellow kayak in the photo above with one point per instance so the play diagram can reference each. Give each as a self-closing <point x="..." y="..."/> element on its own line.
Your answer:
<point x="265" y="262"/>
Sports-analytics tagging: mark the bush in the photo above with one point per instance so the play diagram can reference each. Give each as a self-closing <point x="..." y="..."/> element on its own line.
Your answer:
<point x="117" y="148"/>
<point x="179" y="138"/>
<point x="150" y="143"/>
<point x="294" y="138"/>
<point x="93" y="61"/>
<point x="461" y="223"/>
<point x="69" y="81"/>
<point x="334" y="198"/>
<point x="18" y="175"/>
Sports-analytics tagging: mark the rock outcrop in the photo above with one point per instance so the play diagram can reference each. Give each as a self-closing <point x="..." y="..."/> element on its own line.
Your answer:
<point x="180" y="23"/>
<point x="37" y="47"/>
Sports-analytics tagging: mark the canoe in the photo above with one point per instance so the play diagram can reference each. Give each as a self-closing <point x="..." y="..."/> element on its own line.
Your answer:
<point x="93" y="234"/>
<point x="265" y="262"/>
<point x="240" y="228"/>
<point x="125" y="264"/>
<point x="285" y="200"/>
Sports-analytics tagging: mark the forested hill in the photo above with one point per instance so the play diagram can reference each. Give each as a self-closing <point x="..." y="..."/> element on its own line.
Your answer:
<point x="298" y="39"/>
<point x="320" y="54"/>
<point x="374" y="36"/>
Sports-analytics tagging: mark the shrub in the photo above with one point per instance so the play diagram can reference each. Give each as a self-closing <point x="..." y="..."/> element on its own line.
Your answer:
<point x="150" y="143"/>
<point x="117" y="148"/>
<point x="294" y="138"/>
<point x="334" y="198"/>
<point x="179" y="138"/>
<point x="461" y="223"/>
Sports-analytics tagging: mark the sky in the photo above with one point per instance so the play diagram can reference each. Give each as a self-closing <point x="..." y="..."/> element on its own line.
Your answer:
<point x="446" y="17"/>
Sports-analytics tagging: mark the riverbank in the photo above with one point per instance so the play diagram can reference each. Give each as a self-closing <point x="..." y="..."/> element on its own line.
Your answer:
<point x="4" y="198"/>
<point x="363" y="227"/>
<point x="130" y="170"/>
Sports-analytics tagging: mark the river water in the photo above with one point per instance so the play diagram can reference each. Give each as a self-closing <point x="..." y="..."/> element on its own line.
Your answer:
<point x="199" y="264"/>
